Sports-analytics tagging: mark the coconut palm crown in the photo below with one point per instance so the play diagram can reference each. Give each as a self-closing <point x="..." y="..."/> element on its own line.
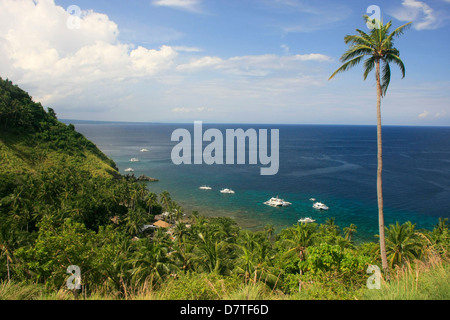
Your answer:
<point x="378" y="46"/>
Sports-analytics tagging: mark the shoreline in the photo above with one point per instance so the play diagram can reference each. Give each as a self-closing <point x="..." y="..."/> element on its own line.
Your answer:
<point x="250" y="221"/>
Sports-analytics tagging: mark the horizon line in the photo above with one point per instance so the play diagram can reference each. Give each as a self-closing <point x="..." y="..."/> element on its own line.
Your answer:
<point x="254" y="123"/>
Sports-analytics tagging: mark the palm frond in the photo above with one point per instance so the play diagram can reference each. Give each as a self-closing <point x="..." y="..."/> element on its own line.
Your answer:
<point x="348" y="65"/>
<point x="358" y="40"/>
<point x="384" y="31"/>
<point x="355" y="51"/>
<point x="376" y="33"/>
<point x="396" y="59"/>
<point x="386" y="78"/>
<point x="369" y="64"/>
<point x="363" y="34"/>
<point x="387" y="26"/>
<point x="397" y="32"/>
<point x="392" y="51"/>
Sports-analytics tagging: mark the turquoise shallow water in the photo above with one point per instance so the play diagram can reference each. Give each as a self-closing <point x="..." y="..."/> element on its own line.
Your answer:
<point x="334" y="164"/>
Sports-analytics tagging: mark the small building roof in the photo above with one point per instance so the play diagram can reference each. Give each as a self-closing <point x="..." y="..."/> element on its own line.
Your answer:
<point x="162" y="224"/>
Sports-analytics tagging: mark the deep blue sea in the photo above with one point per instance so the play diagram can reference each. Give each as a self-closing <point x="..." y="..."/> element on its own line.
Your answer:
<point x="334" y="164"/>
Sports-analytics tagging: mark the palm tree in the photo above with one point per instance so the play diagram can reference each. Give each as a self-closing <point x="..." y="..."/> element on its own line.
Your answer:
<point x="349" y="231"/>
<point x="331" y="226"/>
<point x="6" y="251"/>
<point x="269" y="230"/>
<point x="180" y="232"/>
<point x="299" y="238"/>
<point x="151" y="200"/>
<point x="439" y="239"/>
<point x="178" y="212"/>
<point x="11" y="238"/>
<point x="134" y="221"/>
<point x="378" y="46"/>
<point x="151" y="260"/>
<point x="246" y="265"/>
<point x="166" y="200"/>
<point x="403" y="243"/>
<point x="195" y="216"/>
<point x="441" y="228"/>
<point x="211" y="253"/>
<point x="255" y="259"/>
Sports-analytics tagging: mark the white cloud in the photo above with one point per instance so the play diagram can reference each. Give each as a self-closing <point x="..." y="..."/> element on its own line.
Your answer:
<point x="312" y="57"/>
<point x="285" y="48"/>
<point x="440" y="114"/>
<point x="435" y="115"/>
<point x="256" y="65"/>
<point x="424" y="114"/>
<point x="423" y="16"/>
<point x="39" y="50"/>
<point x="187" y="49"/>
<point x="87" y="73"/>
<point x="152" y="61"/>
<point x="188" y="5"/>
<point x="191" y="110"/>
<point x="201" y="63"/>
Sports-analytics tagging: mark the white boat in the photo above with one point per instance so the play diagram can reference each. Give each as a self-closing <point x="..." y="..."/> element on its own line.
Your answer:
<point x="306" y="220"/>
<point x="134" y="160"/>
<point x="277" y="202"/>
<point x="129" y="170"/>
<point x="144" y="150"/>
<point x="320" y="206"/>
<point x="226" y="190"/>
<point x="205" y="188"/>
<point x="312" y="199"/>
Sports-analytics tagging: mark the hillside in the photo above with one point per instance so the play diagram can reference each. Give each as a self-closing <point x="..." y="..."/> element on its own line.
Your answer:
<point x="32" y="139"/>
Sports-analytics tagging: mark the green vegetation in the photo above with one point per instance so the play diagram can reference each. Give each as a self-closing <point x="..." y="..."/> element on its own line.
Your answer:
<point x="32" y="139"/>
<point x="63" y="203"/>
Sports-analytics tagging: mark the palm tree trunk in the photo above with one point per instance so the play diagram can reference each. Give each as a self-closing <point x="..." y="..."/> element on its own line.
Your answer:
<point x="379" y="175"/>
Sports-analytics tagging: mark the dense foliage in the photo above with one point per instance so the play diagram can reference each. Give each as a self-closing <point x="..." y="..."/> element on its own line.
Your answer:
<point x="64" y="212"/>
<point x="31" y="137"/>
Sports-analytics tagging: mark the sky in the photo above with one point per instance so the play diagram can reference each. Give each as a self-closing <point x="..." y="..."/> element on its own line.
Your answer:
<point x="222" y="61"/>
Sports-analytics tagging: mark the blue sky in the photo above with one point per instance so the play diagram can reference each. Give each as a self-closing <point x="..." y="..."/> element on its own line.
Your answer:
<point x="251" y="61"/>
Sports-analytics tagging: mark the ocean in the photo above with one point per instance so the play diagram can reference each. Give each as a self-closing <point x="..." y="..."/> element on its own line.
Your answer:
<point x="334" y="164"/>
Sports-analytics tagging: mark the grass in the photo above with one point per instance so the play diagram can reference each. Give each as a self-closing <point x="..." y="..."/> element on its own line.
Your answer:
<point x="418" y="281"/>
<point x="19" y="291"/>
